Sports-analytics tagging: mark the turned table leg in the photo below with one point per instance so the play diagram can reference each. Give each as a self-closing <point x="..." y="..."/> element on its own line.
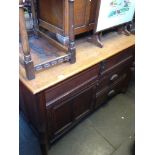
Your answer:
<point x="29" y="67"/>
<point x="71" y="47"/>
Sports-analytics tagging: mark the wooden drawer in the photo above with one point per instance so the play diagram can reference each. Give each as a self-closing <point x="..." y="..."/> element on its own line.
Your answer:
<point x="116" y="88"/>
<point x="115" y="60"/>
<point x="111" y="76"/>
<point x="110" y="91"/>
<point x="72" y="84"/>
<point x="101" y="97"/>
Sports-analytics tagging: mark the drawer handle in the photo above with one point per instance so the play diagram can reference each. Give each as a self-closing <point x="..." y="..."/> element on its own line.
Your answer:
<point x="112" y="92"/>
<point x="114" y="77"/>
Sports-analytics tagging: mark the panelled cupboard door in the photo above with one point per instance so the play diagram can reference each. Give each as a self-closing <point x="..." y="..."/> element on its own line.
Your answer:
<point x="62" y="114"/>
<point x="83" y="103"/>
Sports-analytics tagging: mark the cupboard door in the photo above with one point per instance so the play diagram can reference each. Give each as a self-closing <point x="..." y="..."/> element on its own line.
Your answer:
<point x="83" y="102"/>
<point x="60" y="116"/>
<point x="64" y="114"/>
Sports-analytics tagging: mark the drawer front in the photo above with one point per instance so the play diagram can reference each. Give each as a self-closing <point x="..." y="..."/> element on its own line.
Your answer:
<point x="101" y="97"/>
<point x="111" y="76"/>
<point x="117" y="59"/>
<point x="72" y="84"/>
<point x="109" y="91"/>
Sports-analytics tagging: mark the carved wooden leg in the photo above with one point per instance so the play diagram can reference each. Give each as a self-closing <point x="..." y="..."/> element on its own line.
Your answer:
<point x="44" y="144"/>
<point x="96" y="39"/>
<point x="34" y="16"/>
<point x="29" y="67"/>
<point x="123" y="30"/>
<point x="71" y="49"/>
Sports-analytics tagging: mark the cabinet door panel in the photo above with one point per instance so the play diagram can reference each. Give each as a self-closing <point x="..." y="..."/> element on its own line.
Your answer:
<point x="93" y="10"/>
<point x="64" y="114"/>
<point x="82" y="104"/>
<point x="80" y="12"/>
<point x="51" y="11"/>
<point x="60" y="116"/>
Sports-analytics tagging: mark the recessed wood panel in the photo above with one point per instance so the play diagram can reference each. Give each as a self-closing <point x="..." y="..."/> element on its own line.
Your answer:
<point x="93" y="11"/>
<point x="61" y="116"/>
<point x="83" y="102"/>
<point x="80" y="12"/>
<point x="51" y="11"/>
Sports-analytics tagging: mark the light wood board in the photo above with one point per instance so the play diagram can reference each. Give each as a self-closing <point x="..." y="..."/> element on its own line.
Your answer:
<point x="87" y="55"/>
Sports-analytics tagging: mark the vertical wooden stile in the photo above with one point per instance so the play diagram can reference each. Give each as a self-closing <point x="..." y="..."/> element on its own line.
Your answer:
<point x="72" y="49"/>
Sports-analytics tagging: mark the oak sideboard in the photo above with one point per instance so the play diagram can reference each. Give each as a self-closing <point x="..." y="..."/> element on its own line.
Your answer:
<point x="60" y="97"/>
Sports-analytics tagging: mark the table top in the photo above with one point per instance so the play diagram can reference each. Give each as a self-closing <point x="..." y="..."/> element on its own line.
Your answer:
<point x="87" y="55"/>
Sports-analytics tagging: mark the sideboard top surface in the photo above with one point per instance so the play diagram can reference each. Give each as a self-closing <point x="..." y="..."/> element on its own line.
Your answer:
<point x="87" y="55"/>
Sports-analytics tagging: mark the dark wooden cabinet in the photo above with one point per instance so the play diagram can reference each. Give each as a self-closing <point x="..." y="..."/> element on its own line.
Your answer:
<point x="57" y="109"/>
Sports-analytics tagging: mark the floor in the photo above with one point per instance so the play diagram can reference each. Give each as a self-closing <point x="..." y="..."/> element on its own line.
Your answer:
<point x="108" y="131"/>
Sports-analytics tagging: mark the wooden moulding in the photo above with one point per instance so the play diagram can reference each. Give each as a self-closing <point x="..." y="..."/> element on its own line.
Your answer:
<point x="50" y="63"/>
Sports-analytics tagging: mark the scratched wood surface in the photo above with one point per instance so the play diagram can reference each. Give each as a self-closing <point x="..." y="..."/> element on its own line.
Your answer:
<point x="41" y="50"/>
<point x="87" y="55"/>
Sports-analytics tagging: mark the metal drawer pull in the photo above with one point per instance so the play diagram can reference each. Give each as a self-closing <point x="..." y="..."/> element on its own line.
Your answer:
<point x="112" y="92"/>
<point x="114" y="77"/>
